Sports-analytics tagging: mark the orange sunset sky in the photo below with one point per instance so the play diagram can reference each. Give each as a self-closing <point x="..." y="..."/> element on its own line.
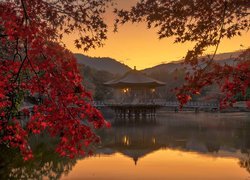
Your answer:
<point x="135" y="45"/>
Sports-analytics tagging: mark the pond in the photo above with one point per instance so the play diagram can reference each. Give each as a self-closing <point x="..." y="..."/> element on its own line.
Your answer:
<point x="176" y="146"/>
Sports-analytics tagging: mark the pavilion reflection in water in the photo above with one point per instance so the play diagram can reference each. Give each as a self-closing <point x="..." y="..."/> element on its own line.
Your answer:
<point x="217" y="138"/>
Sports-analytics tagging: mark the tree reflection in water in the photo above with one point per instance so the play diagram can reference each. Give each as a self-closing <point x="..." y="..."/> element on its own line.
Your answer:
<point x="46" y="163"/>
<point x="245" y="162"/>
<point x="245" y="135"/>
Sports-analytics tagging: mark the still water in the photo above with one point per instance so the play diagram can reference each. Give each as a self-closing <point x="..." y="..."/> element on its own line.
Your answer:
<point x="174" y="146"/>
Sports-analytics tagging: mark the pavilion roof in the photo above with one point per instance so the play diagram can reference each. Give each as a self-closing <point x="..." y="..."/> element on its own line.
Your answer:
<point x="134" y="78"/>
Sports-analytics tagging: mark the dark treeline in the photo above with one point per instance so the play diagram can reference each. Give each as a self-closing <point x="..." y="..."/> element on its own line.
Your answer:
<point x="93" y="81"/>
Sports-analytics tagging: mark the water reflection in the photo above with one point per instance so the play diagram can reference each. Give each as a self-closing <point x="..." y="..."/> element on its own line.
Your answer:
<point x="210" y="134"/>
<point x="226" y="136"/>
<point x="46" y="164"/>
<point x="244" y="134"/>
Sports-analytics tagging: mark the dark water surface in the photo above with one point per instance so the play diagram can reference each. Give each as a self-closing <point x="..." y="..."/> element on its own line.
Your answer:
<point x="175" y="146"/>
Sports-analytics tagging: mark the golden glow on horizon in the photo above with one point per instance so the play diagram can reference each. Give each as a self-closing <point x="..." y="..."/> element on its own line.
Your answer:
<point x="135" y="45"/>
<point x="162" y="164"/>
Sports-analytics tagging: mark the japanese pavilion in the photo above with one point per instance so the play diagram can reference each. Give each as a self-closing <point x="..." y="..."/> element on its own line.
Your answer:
<point x="134" y="95"/>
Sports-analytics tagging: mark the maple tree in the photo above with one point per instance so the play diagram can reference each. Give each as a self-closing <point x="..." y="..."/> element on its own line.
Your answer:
<point x="33" y="62"/>
<point x="206" y="23"/>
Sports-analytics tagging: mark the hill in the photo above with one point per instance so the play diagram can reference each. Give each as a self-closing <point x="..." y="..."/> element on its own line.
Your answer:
<point x="224" y="58"/>
<point x="102" y="64"/>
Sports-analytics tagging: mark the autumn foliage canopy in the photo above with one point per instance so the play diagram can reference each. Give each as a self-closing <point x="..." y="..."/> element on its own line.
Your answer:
<point x="34" y="63"/>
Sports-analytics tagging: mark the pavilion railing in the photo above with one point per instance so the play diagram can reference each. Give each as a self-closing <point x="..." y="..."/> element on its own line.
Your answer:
<point x="160" y="102"/>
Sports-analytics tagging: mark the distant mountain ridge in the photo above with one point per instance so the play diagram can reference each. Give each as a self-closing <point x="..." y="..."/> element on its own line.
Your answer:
<point x="102" y="64"/>
<point x="115" y="67"/>
<point x="223" y="58"/>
